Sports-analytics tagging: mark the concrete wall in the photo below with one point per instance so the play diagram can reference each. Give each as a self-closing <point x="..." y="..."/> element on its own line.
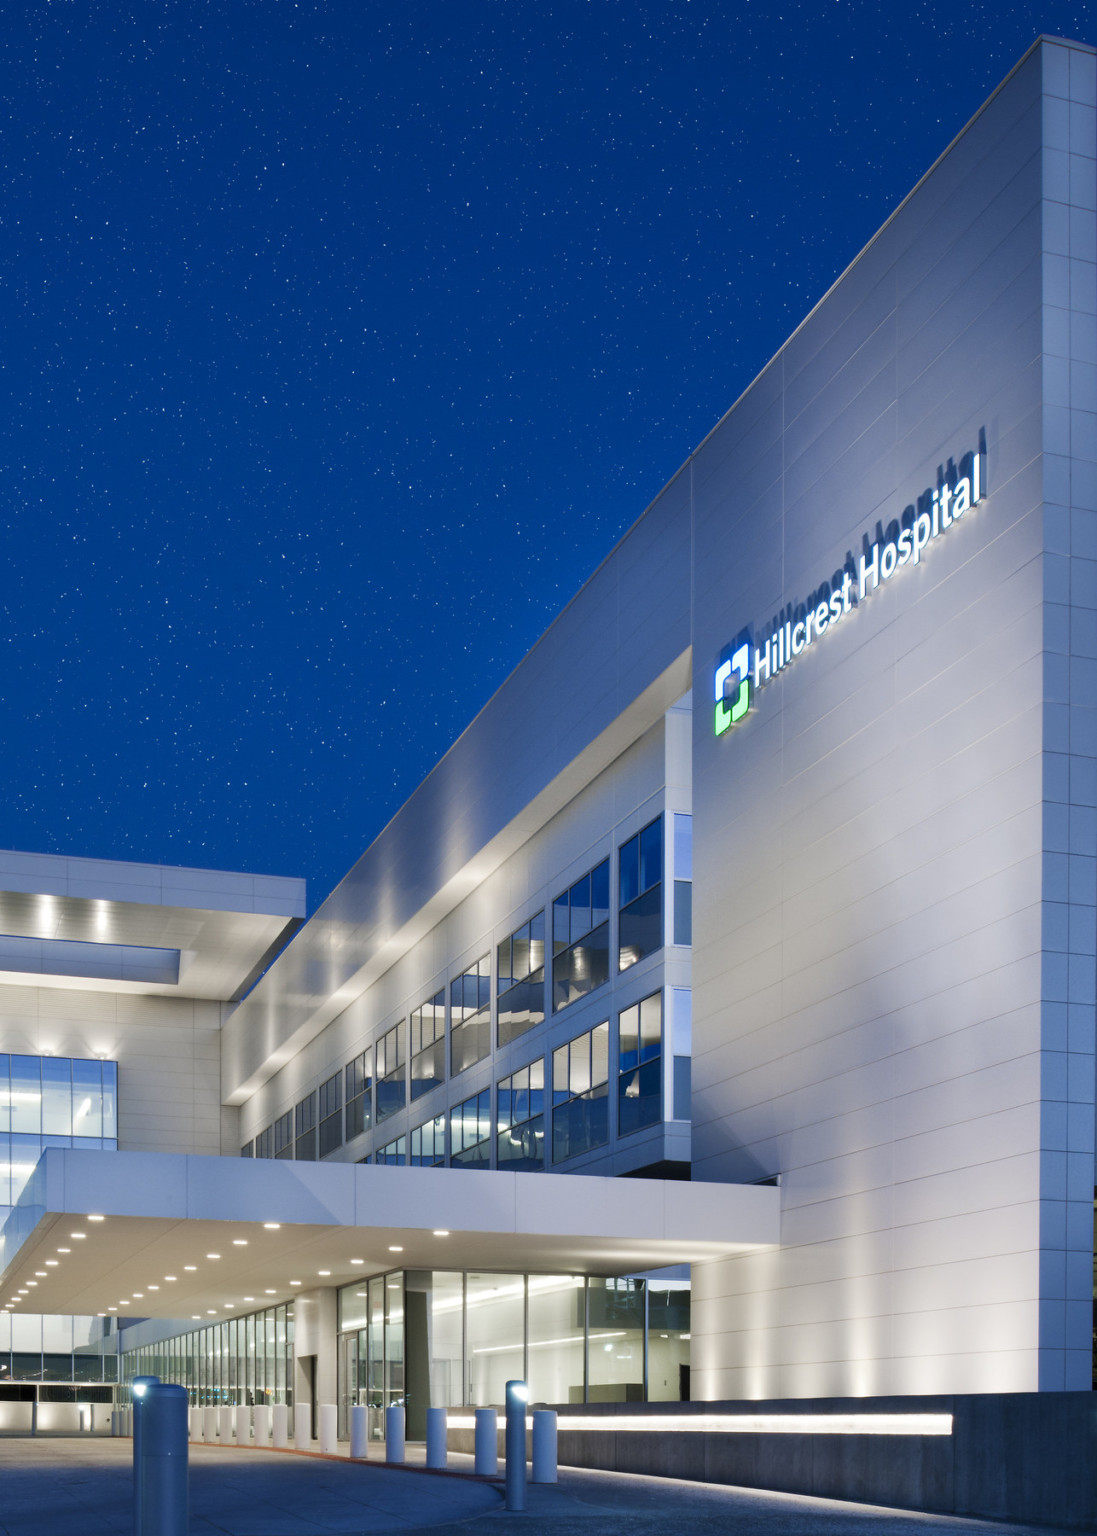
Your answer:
<point x="869" y="947"/>
<point x="1025" y="1456"/>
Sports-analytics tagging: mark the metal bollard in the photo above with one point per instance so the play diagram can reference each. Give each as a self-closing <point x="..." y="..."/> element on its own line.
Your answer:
<point x="279" y="1426"/>
<point x="302" y="1427"/>
<point x="161" y="1501"/>
<point x="394" y="1434"/>
<point x="359" y="1431"/>
<point x="485" y="1461"/>
<point x="436" y="1437"/>
<point x="260" y="1418"/>
<point x="140" y="1389"/>
<point x="515" y="1437"/>
<point x="544" y="1446"/>
<point x="243" y="1424"/>
<point x="328" y="1424"/>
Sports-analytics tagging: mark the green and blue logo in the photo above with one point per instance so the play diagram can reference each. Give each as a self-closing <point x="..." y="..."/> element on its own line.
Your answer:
<point x="733" y="684"/>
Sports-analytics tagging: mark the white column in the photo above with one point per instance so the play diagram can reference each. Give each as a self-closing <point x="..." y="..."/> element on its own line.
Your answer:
<point x="279" y="1426"/>
<point x="243" y="1424"/>
<point x="260" y="1417"/>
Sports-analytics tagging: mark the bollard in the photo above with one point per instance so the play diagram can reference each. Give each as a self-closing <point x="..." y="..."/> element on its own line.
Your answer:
<point x="139" y="1388"/>
<point x="394" y="1435"/>
<point x="302" y="1427"/>
<point x="209" y="1425"/>
<point x="515" y="1437"/>
<point x="327" y="1422"/>
<point x="544" y="1446"/>
<point x="243" y="1424"/>
<point x="359" y="1431"/>
<point x="114" y="1421"/>
<point x="261" y="1420"/>
<point x="224" y="1423"/>
<point x="279" y="1426"/>
<point x="436" y="1437"/>
<point x="161" y="1501"/>
<point x="195" y="1423"/>
<point x="486" y="1443"/>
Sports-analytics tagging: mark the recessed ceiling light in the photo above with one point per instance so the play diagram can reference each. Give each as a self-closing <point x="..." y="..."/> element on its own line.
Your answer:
<point x="190" y="1266"/>
<point x="169" y="1277"/>
<point x="323" y="1271"/>
<point x="112" y="1309"/>
<point x="270" y="1293"/>
<point x="52" y="1263"/>
<point x="441" y="1232"/>
<point x="78" y="1234"/>
<point x="211" y="1311"/>
<point x="249" y="1298"/>
<point x="396" y="1248"/>
<point x="97" y="1218"/>
<point x="357" y="1261"/>
<point x="196" y="1317"/>
<point x="213" y="1255"/>
<point x="295" y="1282"/>
<point x="64" y="1250"/>
<point x="154" y="1287"/>
<point x="32" y="1282"/>
<point x="123" y="1302"/>
<point x="228" y="1305"/>
<point x="239" y="1242"/>
<point x="273" y="1226"/>
<point x="138" y="1295"/>
<point x="41" y="1273"/>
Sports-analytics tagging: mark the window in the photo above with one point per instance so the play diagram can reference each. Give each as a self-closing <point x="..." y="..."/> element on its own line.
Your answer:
<point x="283" y="1135"/>
<point x="248" y="1149"/>
<point x="683" y="878"/>
<point x="264" y="1143"/>
<point x="395" y="1154"/>
<point x="521" y="980"/>
<point x="428" y="1045"/>
<point x="580" y="938"/>
<point x="331" y="1114"/>
<point x="306" y="1129"/>
<point x="470" y="1132"/>
<point x="639" y="1066"/>
<point x="580" y="1094"/>
<point x="520" y="1119"/>
<point x="428" y="1144"/>
<point x="470" y="1016"/>
<point x="640" y="862"/>
<point x="359" y="1081"/>
<point x="391" y="1090"/>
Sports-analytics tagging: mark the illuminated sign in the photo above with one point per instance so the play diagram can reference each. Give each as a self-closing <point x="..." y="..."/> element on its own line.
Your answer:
<point x="745" y="666"/>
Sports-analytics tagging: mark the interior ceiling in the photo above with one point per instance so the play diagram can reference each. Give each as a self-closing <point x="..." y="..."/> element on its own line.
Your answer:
<point x="164" y="1267"/>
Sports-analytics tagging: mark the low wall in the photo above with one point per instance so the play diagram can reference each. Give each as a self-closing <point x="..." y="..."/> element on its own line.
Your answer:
<point x="1018" y="1456"/>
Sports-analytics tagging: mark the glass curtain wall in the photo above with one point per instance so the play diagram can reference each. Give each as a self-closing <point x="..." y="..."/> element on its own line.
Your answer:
<point x="446" y="1338"/>
<point x="246" y="1360"/>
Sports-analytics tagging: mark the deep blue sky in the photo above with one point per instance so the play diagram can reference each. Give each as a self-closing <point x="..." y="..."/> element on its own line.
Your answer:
<point x="341" y="341"/>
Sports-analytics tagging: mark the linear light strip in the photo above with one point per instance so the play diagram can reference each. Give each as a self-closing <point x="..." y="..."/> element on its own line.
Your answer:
<point x="747" y="1423"/>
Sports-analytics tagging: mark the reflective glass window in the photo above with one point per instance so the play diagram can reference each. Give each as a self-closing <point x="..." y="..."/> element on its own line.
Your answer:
<point x="616" y="1344"/>
<point x="495" y="1323"/>
<point x="283" y="1135"/>
<point x="428" y="1045"/>
<point x="640" y="892"/>
<point x="639" y="1061"/>
<point x="580" y="1094"/>
<point x="520" y="1119"/>
<point x="331" y="1114"/>
<point x="391" y="1075"/>
<point x="521" y="980"/>
<point x="428" y="1143"/>
<point x="580" y="938"/>
<point x="395" y="1154"/>
<point x="470" y="1016"/>
<point x="470" y="1132"/>
<point x="359" y="1082"/>
<point x="305" y="1118"/>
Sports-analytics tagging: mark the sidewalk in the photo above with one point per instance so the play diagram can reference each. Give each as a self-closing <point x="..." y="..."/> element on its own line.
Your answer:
<point x="83" y="1487"/>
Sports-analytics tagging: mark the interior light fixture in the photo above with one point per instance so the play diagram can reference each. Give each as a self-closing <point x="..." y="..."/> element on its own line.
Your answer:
<point x="196" y="1317"/>
<point x="270" y="1292"/>
<point x="396" y="1248"/>
<point x="78" y="1234"/>
<point x="239" y="1242"/>
<point x="154" y="1287"/>
<point x="138" y="1295"/>
<point x="323" y="1271"/>
<point x="32" y="1282"/>
<point x="213" y="1255"/>
<point x="190" y="1266"/>
<point x="112" y="1309"/>
<point x="123" y="1302"/>
<point x="52" y="1263"/>
<point x="211" y="1311"/>
<point x="170" y="1277"/>
<point x="357" y="1261"/>
<point x="295" y="1282"/>
<point x="64" y="1250"/>
<point x="41" y="1273"/>
<point x="249" y="1298"/>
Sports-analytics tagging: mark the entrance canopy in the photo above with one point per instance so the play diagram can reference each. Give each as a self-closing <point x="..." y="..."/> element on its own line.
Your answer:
<point x="142" y="1234"/>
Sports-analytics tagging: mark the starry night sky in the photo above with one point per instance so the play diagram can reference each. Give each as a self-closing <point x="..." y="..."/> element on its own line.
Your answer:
<point x="341" y="341"/>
